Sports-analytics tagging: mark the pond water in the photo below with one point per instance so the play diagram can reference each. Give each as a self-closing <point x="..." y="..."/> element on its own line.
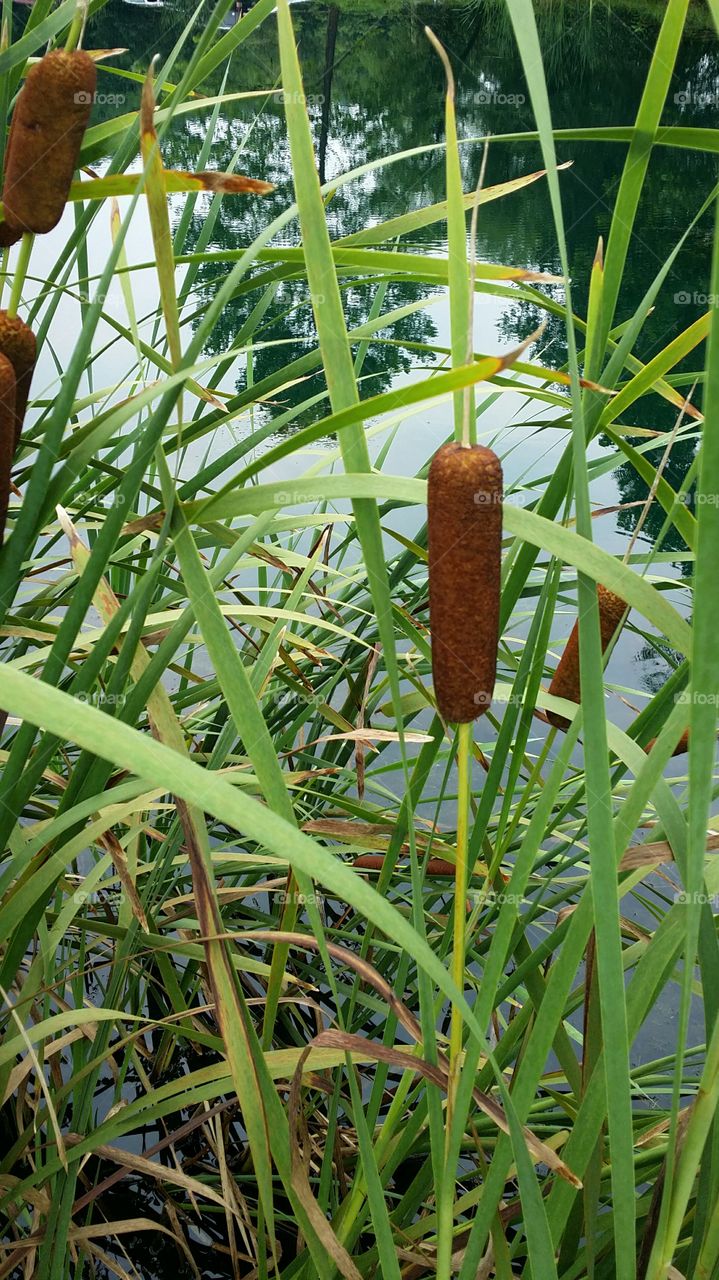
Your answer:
<point x="375" y="88"/>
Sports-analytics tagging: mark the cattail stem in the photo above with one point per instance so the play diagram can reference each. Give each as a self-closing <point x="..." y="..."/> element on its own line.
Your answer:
<point x="23" y="262"/>
<point x="464" y="796"/>
<point x="4" y="269"/>
<point x="77" y="27"/>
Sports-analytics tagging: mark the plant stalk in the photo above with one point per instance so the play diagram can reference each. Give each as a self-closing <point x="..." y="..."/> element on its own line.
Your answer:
<point x="23" y="262"/>
<point x="464" y="795"/>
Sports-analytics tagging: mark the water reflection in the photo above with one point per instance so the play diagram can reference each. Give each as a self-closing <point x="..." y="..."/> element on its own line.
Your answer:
<point x="375" y="87"/>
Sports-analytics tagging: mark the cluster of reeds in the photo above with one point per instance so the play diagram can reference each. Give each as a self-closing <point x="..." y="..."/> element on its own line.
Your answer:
<point x="41" y="156"/>
<point x="211" y="939"/>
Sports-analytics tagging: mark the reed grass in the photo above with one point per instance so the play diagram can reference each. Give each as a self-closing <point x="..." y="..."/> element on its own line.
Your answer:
<point x="236" y="979"/>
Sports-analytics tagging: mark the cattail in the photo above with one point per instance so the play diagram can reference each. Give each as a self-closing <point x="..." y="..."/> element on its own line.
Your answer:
<point x="17" y="344"/>
<point x="565" y="682"/>
<point x="375" y="862"/>
<point x="8" y="236"/>
<point x="465" y="553"/>
<point x="7" y="436"/>
<point x="49" y="120"/>
<point x="680" y="749"/>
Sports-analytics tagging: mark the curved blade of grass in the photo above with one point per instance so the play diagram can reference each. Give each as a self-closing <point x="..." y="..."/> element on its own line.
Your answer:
<point x="599" y="815"/>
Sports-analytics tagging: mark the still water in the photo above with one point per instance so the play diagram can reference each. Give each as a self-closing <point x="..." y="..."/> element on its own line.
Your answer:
<point x="375" y="88"/>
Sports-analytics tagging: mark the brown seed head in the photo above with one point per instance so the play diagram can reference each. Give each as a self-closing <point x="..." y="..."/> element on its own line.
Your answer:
<point x="18" y="345"/>
<point x="465" y="553"/>
<point x="680" y="749"/>
<point x="8" y="235"/>
<point x="565" y="682"/>
<point x="49" y="120"/>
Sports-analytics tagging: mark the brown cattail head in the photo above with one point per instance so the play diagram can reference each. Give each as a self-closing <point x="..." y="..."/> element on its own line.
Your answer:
<point x="680" y="749"/>
<point x="48" y="124"/>
<point x="565" y="682"/>
<point x="17" y="344"/>
<point x="464" y="495"/>
<point x="7" y="436"/>
<point x="8" y="236"/>
<point x="375" y="862"/>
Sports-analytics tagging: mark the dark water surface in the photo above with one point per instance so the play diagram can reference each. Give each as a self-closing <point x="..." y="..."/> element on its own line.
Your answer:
<point x="375" y="88"/>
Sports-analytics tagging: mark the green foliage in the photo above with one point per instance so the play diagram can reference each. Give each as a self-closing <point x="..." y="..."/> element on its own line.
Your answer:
<point x="218" y="697"/>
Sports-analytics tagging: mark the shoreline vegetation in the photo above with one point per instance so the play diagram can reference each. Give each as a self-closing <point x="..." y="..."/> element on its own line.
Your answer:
<point x="354" y="923"/>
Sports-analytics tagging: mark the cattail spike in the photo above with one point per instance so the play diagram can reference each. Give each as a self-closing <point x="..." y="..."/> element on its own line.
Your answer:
<point x="43" y="149"/>
<point x="8" y="236"/>
<point x="7" y="436"/>
<point x="465" y="552"/>
<point x="680" y="749"/>
<point x="565" y="682"/>
<point x="18" y="345"/>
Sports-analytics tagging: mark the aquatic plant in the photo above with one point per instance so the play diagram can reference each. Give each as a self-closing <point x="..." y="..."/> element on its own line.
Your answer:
<point x="238" y="988"/>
